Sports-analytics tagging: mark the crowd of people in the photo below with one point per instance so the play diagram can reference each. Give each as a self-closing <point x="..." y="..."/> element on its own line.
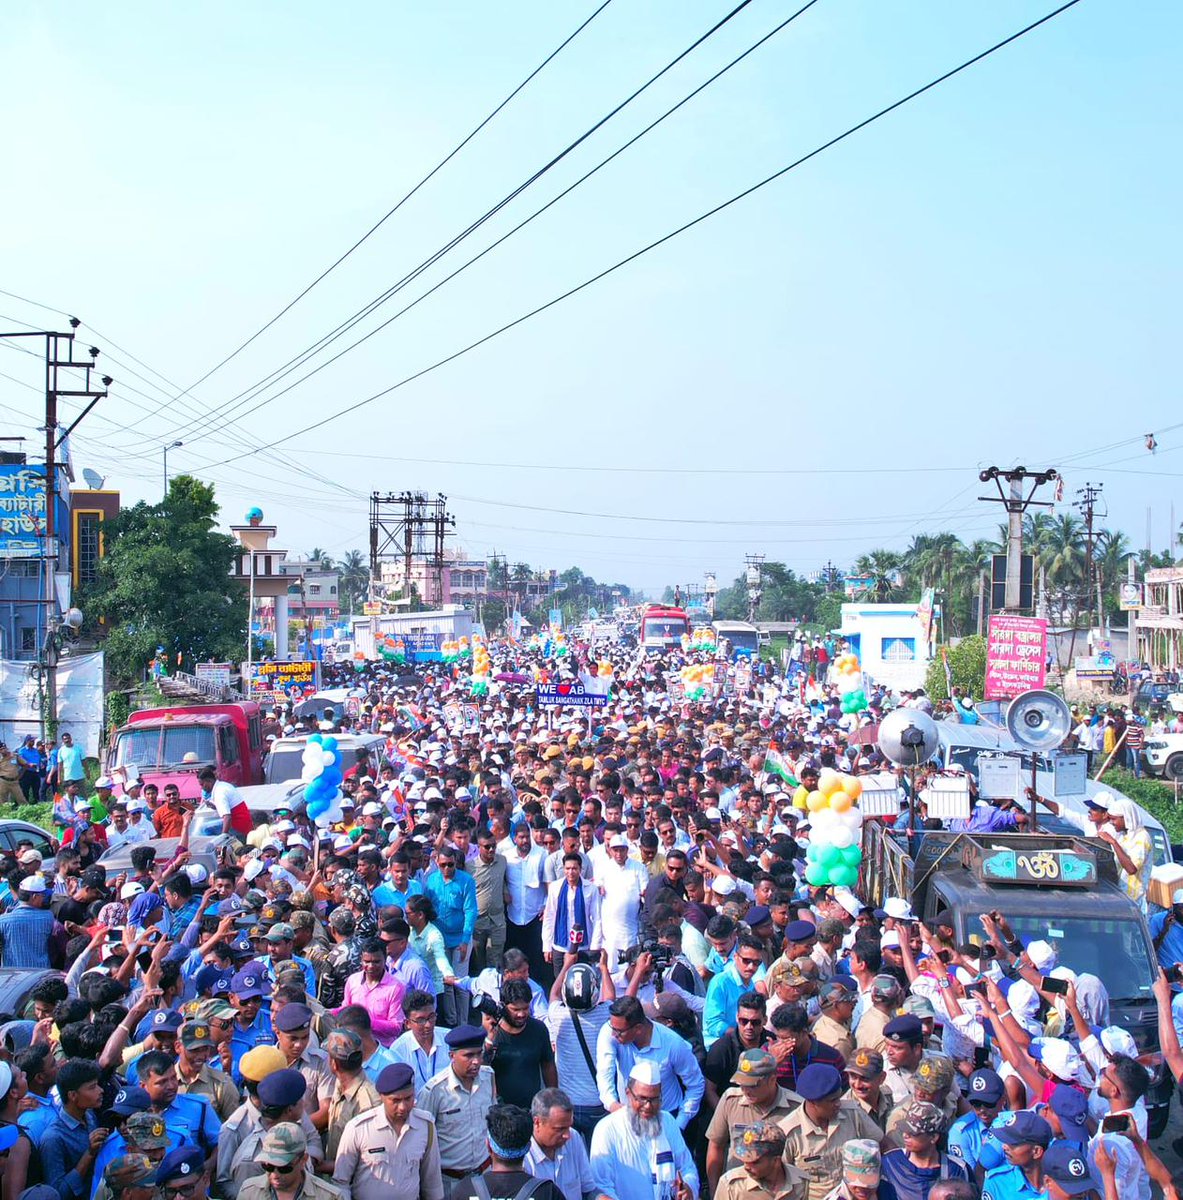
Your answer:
<point x="563" y="954"/>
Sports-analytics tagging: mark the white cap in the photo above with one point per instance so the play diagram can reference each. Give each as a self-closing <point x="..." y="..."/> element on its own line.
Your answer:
<point x="1060" y="1058"/>
<point x="294" y="839"/>
<point x="898" y="908"/>
<point x="371" y="809"/>
<point x="104" y="781"/>
<point x="82" y="803"/>
<point x="723" y="885"/>
<point x="1101" y="800"/>
<point x="28" y="857"/>
<point x="342" y="843"/>
<point x="1177" y="898"/>
<point x="196" y="872"/>
<point x="1041" y="955"/>
<point x="646" y="1072"/>
<point x="138" y="805"/>
<point x="253" y="869"/>
<point x="131" y="890"/>
<point x="1115" y="1040"/>
<point x="848" y="900"/>
<point x="713" y="814"/>
<point x="34" y="884"/>
<point x="618" y="842"/>
<point x="889" y="939"/>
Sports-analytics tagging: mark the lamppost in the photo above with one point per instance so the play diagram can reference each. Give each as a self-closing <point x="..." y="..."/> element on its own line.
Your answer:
<point x="164" y="451"/>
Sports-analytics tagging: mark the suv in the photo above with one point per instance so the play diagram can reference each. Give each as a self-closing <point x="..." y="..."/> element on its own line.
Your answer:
<point x="1163" y="754"/>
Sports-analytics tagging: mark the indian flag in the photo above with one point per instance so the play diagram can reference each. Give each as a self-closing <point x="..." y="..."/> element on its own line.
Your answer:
<point x="774" y="764"/>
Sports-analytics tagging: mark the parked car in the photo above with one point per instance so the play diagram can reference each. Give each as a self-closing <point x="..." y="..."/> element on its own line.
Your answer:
<point x="1158" y="695"/>
<point x="14" y="832"/>
<point x="203" y="849"/>
<point x="16" y="987"/>
<point x="262" y="799"/>
<point x="1163" y="755"/>
<point x="285" y="761"/>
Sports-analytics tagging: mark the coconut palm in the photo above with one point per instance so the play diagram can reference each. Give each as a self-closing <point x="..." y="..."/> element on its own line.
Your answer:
<point x="882" y="567"/>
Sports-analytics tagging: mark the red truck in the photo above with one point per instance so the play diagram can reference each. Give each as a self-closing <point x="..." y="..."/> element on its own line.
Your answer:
<point x="170" y="745"/>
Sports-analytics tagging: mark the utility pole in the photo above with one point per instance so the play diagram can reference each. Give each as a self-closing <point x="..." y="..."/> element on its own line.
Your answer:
<point x="1086" y="505"/>
<point x="1016" y="504"/>
<point x="755" y="583"/>
<point x="58" y="357"/>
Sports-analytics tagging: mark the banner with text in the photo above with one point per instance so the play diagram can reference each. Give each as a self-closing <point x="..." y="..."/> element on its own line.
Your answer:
<point x="293" y="680"/>
<point x="1016" y="655"/>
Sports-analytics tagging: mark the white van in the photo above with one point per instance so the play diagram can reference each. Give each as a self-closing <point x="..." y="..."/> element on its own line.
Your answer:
<point x="285" y="762"/>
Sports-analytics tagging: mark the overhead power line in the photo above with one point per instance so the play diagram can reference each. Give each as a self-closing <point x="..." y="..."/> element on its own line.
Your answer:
<point x="849" y="132"/>
<point x="196" y="430"/>
<point x="439" y="166"/>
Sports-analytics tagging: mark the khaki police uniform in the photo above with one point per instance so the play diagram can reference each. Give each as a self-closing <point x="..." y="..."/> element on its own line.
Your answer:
<point x="735" y="1111"/>
<point x="377" y="1162"/>
<point x="359" y="1096"/>
<point x="818" y="1151"/>
<point x="216" y="1085"/>
<point x="737" y="1184"/>
<point x="459" y="1116"/>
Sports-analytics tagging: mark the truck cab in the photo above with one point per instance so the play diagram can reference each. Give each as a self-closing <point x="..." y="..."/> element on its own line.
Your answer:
<point x="663" y="628"/>
<point x="1060" y="888"/>
<point x="171" y="745"/>
<point x="741" y="639"/>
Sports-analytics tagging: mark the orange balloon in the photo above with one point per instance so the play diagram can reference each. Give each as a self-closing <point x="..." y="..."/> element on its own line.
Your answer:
<point x="829" y="782"/>
<point x="841" y="802"/>
<point x="852" y="786"/>
<point x="815" y="801"/>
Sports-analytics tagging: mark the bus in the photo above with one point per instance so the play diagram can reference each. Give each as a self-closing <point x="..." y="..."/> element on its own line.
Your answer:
<point x="742" y="639"/>
<point x="663" y="628"/>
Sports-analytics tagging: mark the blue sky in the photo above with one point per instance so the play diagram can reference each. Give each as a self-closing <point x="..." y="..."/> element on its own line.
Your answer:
<point x="988" y="276"/>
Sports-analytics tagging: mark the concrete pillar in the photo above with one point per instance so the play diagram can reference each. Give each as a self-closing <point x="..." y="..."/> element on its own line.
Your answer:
<point x="281" y="626"/>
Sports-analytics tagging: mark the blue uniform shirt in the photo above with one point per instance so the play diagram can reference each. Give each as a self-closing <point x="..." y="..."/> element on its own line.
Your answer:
<point x="972" y="1143"/>
<point x="1171" y="950"/>
<point x="258" y="1033"/>
<point x="1009" y="1183"/>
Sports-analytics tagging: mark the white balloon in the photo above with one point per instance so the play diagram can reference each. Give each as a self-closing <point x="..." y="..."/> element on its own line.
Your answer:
<point x="327" y="758"/>
<point x="310" y="772"/>
<point x="842" y="837"/>
<point x="312" y="753"/>
<point x="332" y="814"/>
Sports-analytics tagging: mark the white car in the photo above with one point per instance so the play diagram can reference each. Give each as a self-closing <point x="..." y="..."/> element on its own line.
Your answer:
<point x="1163" y="754"/>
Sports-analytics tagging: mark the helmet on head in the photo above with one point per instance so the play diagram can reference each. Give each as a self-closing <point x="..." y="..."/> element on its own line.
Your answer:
<point x="581" y="988"/>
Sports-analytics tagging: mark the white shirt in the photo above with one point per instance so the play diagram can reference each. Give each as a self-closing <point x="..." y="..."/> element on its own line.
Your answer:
<point x="224" y="797"/>
<point x="523" y="881"/>
<point x="622" y="1163"/>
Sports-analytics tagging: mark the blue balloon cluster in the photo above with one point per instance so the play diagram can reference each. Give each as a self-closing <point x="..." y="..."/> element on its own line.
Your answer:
<point x="321" y="791"/>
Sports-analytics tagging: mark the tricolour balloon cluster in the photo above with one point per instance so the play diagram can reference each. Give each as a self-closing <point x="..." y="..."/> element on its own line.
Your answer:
<point x="834" y="852"/>
<point x="850" y="683"/>
<point x="698" y="681"/>
<point x="455" y="649"/>
<point x="482" y="665"/>
<point x="702" y="639"/>
<point x="392" y="649"/>
<point x="322" y="778"/>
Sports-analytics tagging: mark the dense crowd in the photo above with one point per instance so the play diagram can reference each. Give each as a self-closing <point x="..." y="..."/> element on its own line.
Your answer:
<point x="567" y="954"/>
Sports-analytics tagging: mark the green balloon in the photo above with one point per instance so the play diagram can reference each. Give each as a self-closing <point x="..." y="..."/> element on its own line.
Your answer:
<point x="829" y="857"/>
<point x="852" y="856"/>
<point x="844" y="876"/>
<point x="815" y="875"/>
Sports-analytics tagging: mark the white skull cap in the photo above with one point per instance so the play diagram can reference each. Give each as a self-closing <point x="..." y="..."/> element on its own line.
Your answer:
<point x="646" y="1072"/>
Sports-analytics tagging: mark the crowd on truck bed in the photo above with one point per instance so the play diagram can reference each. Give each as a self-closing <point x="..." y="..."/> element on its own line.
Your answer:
<point x="556" y="953"/>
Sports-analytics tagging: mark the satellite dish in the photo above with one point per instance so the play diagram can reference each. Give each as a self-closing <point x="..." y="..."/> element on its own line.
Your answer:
<point x="908" y="737"/>
<point x="1038" y="720"/>
<point x="94" y="480"/>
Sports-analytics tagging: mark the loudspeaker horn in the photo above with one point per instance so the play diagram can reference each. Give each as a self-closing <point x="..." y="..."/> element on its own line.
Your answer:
<point x="908" y="737"/>
<point x="1038" y="720"/>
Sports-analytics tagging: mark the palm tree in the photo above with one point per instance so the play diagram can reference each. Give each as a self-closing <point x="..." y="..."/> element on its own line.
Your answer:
<point x="882" y="566"/>
<point x="320" y="558"/>
<point x="354" y="578"/>
<point x="1061" y="561"/>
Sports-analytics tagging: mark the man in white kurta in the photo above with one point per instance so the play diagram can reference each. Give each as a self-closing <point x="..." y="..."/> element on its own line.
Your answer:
<point x="622" y="883"/>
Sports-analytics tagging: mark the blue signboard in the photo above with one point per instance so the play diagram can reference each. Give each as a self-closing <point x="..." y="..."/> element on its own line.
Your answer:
<point x="22" y="510"/>
<point x="422" y="647"/>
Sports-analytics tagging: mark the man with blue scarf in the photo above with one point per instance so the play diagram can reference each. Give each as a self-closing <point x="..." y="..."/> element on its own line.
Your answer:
<point x="571" y="920"/>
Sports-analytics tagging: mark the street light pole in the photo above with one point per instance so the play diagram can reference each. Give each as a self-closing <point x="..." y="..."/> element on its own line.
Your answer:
<point x="164" y="451"/>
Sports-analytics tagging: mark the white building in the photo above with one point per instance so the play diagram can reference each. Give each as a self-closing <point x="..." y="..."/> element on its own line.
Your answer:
<point x="894" y="642"/>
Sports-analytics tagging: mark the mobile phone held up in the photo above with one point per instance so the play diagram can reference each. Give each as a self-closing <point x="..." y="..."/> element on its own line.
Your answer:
<point x="1056" y="987"/>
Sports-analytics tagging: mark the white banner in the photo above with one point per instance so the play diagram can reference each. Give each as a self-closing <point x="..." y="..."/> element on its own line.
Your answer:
<point x="80" y="700"/>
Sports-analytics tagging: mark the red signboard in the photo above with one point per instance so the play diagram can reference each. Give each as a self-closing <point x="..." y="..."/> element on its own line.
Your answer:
<point x="1016" y="656"/>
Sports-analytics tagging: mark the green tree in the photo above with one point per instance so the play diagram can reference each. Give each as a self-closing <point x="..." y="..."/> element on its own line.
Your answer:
<point x="321" y="558"/>
<point x="354" y="580"/>
<point x="967" y="661"/>
<point x="829" y="612"/>
<point x="883" y="567"/>
<point x="165" y="580"/>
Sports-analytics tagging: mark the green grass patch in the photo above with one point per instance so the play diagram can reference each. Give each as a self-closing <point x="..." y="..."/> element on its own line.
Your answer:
<point x="35" y="814"/>
<point x="1155" y="797"/>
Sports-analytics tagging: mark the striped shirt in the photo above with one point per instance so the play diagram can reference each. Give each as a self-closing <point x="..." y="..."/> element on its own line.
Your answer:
<point x="25" y="933"/>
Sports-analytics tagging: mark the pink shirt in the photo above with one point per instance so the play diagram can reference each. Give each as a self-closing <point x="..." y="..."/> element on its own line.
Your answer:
<point x="382" y="1000"/>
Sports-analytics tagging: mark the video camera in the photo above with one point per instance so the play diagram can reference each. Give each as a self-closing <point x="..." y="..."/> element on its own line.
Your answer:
<point x="661" y="955"/>
<point x="488" y="1007"/>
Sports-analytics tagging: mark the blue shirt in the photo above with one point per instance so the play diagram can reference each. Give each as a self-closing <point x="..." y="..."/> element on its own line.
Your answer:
<point x="115" y="1145"/>
<point x="723" y="993"/>
<point x="25" y="932"/>
<point x="257" y="1033"/>
<point x="63" y="1143"/>
<point x="179" y="918"/>
<point x="196" y="1115"/>
<point x="38" y="1120"/>
<point x="1009" y="1183"/>
<point x="682" y="1082"/>
<point x="304" y="965"/>
<point x="972" y="1143"/>
<point x="392" y="895"/>
<point x="455" y="905"/>
<point x="1171" y="950"/>
<point x="911" y="1182"/>
<point x="413" y="973"/>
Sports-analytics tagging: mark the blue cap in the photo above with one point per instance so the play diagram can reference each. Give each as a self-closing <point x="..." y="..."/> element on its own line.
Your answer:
<point x="1023" y="1128"/>
<point x="248" y="982"/>
<point x="818" y="1081"/>
<point x="241" y="948"/>
<point x="393" y="1078"/>
<point x="165" y="1021"/>
<point x="1069" y="1166"/>
<point x="757" y="915"/>
<point x="904" y="1029"/>
<point x="213" y="981"/>
<point x="985" y="1087"/>
<point x="292" y="1017"/>
<point x="185" y="1162"/>
<point x="282" y="1089"/>
<point x="1071" y="1106"/>
<point x="799" y="931"/>
<point x="465" y="1037"/>
<point x="130" y="1100"/>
